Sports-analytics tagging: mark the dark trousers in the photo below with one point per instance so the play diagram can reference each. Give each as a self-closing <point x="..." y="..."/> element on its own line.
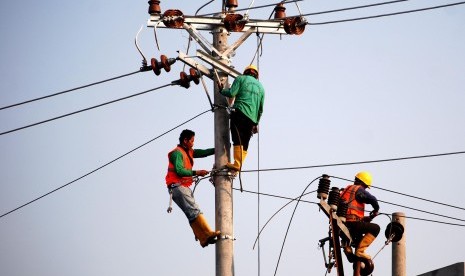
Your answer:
<point x="358" y="229"/>
<point x="241" y="129"/>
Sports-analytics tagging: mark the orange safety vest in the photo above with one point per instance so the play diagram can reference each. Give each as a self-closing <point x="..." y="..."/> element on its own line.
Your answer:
<point x="172" y="177"/>
<point x="355" y="210"/>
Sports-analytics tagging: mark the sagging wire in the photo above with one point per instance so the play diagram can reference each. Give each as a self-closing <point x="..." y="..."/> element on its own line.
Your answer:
<point x="85" y="109"/>
<point x="290" y="221"/>
<point x="389" y="239"/>
<point x="253" y="8"/>
<point x="358" y="162"/>
<point x="69" y="90"/>
<point x="279" y="210"/>
<point x="387" y="14"/>
<point x="104" y="165"/>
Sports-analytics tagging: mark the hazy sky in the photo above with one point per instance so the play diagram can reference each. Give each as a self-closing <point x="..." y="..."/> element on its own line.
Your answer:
<point x="366" y="90"/>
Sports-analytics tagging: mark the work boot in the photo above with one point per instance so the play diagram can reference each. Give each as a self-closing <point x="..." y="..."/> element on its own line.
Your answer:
<point x="203" y="232"/>
<point x="363" y="245"/>
<point x="239" y="157"/>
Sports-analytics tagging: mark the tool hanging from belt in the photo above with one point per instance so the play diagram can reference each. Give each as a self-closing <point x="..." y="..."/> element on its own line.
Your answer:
<point x="170" y="190"/>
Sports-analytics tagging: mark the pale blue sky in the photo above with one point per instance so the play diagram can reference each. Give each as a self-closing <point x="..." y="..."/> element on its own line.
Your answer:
<point x="355" y="91"/>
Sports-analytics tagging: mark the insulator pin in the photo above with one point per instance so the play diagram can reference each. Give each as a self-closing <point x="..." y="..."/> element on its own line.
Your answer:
<point x="165" y="63"/>
<point x="173" y="19"/>
<point x="334" y="197"/>
<point x="154" y="7"/>
<point x="279" y="11"/>
<point x="295" y="25"/>
<point x="184" y="79"/>
<point x="234" y="22"/>
<point x="231" y="4"/>
<point x="396" y="230"/>
<point x="323" y="187"/>
<point x="342" y="208"/>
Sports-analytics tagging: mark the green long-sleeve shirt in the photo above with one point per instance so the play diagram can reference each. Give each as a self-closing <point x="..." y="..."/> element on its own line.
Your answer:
<point x="176" y="159"/>
<point x="249" y="96"/>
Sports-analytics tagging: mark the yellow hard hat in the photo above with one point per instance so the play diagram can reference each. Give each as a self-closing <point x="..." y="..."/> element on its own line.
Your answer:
<point x="365" y="177"/>
<point x="251" y="67"/>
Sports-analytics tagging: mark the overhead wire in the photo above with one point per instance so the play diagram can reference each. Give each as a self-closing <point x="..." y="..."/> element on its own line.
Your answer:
<point x="253" y="8"/>
<point x="419" y="198"/>
<point x="387" y="14"/>
<point x="354" y="8"/>
<point x="85" y="109"/>
<point x="404" y="194"/>
<point x="355" y="163"/>
<point x="68" y="90"/>
<point x="103" y="166"/>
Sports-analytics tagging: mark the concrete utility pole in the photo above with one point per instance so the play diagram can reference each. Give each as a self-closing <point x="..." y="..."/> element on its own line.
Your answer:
<point x="398" y="248"/>
<point x="223" y="184"/>
<point x="218" y="56"/>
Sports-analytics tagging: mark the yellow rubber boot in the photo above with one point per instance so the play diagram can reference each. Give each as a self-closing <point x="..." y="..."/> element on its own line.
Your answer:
<point x="364" y="243"/>
<point x="239" y="156"/>
<point x="203" y="232"/>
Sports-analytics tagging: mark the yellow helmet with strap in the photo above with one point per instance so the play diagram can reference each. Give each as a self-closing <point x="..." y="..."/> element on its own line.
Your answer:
<point x="365" y="177"/>
<point x="251" y="67"/>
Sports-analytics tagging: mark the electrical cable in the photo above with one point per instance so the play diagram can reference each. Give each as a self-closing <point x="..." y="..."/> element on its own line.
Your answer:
<point x="387" y="14"/>
<point x="356" y="163"/>
<point x="420" y="198"/>
<point x="354" y="8"/>
<point x="257" y="7"/>
<point x="86" y="109"/>
<point x="407" y="195"/>
<point x="69" y="90"/>
<point x="422" y="211"/>
<point x="104" y="165"/>
<point x="279" y="210"/>
<point x="289" y="225"/>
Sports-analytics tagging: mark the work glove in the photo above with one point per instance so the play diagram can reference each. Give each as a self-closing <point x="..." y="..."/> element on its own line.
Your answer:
<point x="201" y="172"/>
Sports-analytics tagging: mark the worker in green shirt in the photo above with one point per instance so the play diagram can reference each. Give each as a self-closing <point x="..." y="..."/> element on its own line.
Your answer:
<point x="179" y="179"/>
<point x="249" y="96"/>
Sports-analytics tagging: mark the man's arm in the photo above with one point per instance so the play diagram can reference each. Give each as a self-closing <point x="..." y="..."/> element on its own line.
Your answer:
<point x="200" y="153"/>
<point x="367" y="198"/>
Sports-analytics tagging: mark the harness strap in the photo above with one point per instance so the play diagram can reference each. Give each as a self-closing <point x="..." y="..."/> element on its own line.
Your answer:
<point x="170" y="191"/>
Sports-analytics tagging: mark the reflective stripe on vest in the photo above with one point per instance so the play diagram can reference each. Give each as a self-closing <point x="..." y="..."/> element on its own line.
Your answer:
<point x="354" y="207"/>
<point x="171" y="176"/>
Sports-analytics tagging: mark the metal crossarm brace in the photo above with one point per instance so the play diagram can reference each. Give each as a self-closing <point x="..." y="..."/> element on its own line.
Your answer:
<point x="327" y="209"/>
<point x="218" y="64"/>
<point x="194" y="64"/>
<point x="239" y="41"/>
<point x="204" y="43"/>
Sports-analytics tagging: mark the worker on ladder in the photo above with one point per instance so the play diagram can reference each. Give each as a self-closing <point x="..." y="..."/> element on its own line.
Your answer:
<point x="359" y="225"/>
<point x="179" y="179"/>
<point x="249" y="95"/>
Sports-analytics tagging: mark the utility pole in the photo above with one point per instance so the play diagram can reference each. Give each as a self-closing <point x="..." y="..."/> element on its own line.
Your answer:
<point x="398" y="248"/>
<point x="223" y="184"/>
<point x="218" y="56"/>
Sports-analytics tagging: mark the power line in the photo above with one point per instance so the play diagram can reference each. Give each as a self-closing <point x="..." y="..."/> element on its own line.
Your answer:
<point x="407" y="195"/>
<point x="354" y="8"/>
<point x="257" y="7"/>
<point x="422" y="211"/>
<point x="306" y="201"/>
<point x="69" y="90"/>
<point x="101" y="167"/>
<point x="86" y="109"/>
<point x="387" y="14"/>
<point x="420" y="198"/>
<point x="355" y="163"/>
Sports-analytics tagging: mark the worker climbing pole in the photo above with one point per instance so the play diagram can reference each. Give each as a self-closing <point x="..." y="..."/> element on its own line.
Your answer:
<point x="217" y="55"/>
<point x="348" y="226"/>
